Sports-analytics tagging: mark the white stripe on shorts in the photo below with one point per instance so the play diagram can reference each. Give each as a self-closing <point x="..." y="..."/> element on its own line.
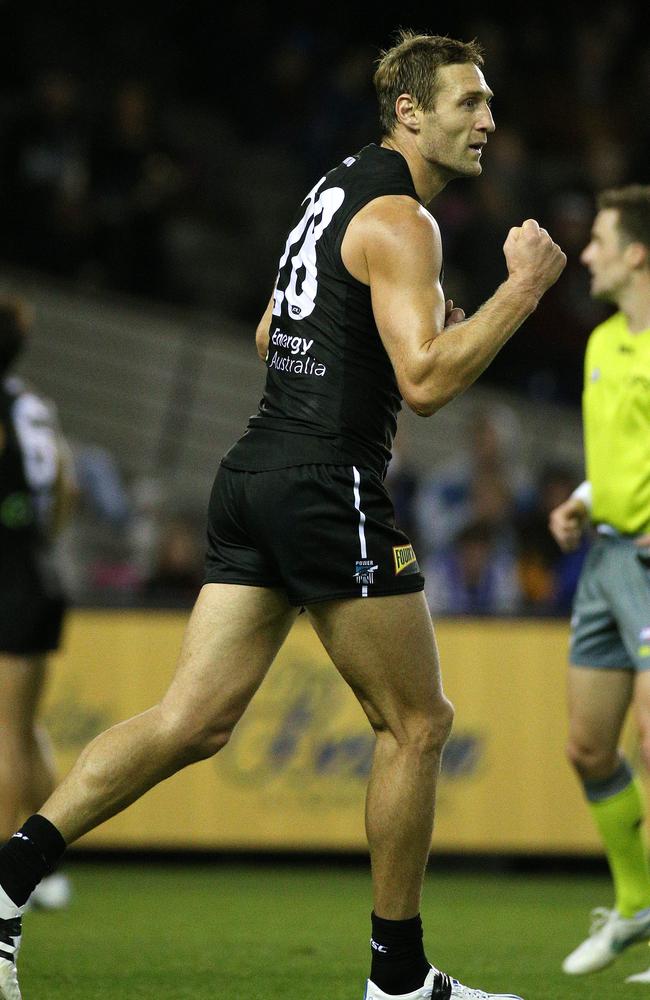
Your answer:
<point x="362" y="521"/>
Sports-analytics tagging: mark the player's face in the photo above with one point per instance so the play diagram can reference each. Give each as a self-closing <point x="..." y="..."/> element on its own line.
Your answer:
<point x="453" y="134"/>
<point x="604" y="256"/>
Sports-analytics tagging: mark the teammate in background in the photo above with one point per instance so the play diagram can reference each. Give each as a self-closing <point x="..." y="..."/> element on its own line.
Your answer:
<point x="299" y="516"/>
<point x="610" y="647"/>
<point x="35" y="487"/>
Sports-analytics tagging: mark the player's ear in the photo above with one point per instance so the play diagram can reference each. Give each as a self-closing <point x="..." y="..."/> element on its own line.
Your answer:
<point x="406" y="112"/>
<point x="637" y="255"/>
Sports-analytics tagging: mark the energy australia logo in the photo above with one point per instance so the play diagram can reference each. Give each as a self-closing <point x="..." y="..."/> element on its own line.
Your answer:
<point x="364" y="572"/>
<point x="293" y="355"/>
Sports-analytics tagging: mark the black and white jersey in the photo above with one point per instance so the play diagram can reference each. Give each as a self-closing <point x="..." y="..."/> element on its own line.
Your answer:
<point x="331" y="395"/>
<point x="32" y="603"/>
<point x="29" y="463"/>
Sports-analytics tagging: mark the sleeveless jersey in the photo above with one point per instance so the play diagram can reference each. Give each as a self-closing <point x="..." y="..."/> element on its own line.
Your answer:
<point x="28" y="467"/>
<point x="331" y="395"/>
<point x="616" y="419"/>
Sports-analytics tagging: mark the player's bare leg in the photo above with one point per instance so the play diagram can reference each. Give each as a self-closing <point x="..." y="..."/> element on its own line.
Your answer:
<point x="231" y="640"/>
<point x="385" y="649"/>
<point x="642" y="711"/>
<point x="598" y="701"/>
<point x="26" y="775"/>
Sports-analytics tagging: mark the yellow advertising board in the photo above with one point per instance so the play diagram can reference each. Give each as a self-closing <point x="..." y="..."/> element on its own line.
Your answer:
<point x="294" y="773"/>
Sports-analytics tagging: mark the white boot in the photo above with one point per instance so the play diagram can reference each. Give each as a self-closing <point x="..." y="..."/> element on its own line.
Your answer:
<point x="610" y="934"/>
<point x="437" y="986"/>
<point x="52" y="893"/>
<point x="10" y="932"/>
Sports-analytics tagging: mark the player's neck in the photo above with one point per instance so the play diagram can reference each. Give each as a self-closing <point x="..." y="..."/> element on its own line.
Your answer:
<point x="427" y="181"/>
<point x="635" y="305"/>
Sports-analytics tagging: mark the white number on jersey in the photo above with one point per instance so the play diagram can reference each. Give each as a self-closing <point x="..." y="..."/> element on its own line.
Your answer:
<point x="317" y="217"/>
<point x="38" y="441"/>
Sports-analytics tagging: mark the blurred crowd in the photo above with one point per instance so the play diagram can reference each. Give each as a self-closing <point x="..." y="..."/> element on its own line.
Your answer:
<point x="152" y="155"/>
<point x="479" y="523"/>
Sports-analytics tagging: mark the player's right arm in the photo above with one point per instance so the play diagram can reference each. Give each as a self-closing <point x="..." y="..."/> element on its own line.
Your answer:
<point x="393" y="245"/>
<point x="262" y="331"/>
<point x="567" y="523"/>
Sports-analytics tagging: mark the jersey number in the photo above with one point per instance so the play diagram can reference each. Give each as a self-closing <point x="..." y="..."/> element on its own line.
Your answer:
<point x="300" y="285"/>
<point x="37" y="438"/>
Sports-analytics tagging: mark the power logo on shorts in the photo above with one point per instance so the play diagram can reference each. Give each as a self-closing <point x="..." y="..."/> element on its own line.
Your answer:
<point x="364" y="571"/>
<point x="405" y="559"/>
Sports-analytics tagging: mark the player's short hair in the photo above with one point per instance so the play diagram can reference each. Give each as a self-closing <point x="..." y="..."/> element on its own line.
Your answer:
<point x="14" y="320"/>
<point x="411" y="67"/>
<point x="633" y="206"/>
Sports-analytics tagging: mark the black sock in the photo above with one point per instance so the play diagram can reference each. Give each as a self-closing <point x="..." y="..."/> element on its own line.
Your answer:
<point x="33" y="852"/>
<point x="399" y="964"/>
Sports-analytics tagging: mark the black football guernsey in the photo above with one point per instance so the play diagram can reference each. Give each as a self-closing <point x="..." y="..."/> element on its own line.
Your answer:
<point x="331" y="395"/>
<point x="28" y="469"/>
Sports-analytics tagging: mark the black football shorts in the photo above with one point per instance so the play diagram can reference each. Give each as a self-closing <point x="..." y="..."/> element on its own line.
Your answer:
<point x="320" y="532"/>
<point x="31" y="617"/>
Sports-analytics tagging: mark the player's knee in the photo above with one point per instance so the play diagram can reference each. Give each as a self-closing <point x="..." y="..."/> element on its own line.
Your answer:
<point x="447" y="718"/>
<point x="589" y="759"/>
<point x="208" y="740"/>
<point x="195" y="738"/>
<point x="444" y="720"/>
<point x="428" y="734"/>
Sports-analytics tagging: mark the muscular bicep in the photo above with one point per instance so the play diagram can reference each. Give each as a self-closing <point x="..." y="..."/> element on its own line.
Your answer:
<point x="403" y="258"/>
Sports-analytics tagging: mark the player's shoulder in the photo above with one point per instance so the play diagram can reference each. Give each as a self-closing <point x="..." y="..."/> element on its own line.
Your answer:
<point x="374" y="170"/>
<point x="12" y="386"/>
<point x="21" y="391"/>
<point x="399" y="214"/>
<point x="15" y="387"/>
<point x="603" y="334"/>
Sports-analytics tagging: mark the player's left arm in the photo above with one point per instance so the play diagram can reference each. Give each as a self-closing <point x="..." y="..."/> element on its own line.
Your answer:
<point x="66" y="490"/>
<point x="262" y="332"/>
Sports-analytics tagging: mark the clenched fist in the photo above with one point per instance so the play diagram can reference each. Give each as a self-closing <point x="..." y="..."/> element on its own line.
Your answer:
<point x="533" y="259"/>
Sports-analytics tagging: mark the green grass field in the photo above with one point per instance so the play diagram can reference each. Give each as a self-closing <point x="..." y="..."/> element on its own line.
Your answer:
<point x="242" y="932"/>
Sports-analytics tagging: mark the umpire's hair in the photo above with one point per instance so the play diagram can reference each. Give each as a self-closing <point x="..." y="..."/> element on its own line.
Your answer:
<point x="13" y="327"/>
<point x="633" y="206"/>
<point x="411" y="66"/>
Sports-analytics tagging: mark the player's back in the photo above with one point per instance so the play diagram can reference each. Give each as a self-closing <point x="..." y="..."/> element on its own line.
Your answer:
<point x="331" y="395"/>
<point x="28" y="468"/>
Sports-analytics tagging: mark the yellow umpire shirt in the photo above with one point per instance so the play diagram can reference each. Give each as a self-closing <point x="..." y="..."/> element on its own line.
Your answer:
<point x="616" y="416"/>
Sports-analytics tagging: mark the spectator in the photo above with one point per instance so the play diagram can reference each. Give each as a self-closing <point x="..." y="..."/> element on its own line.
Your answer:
<point x="178" y="569"/>
<point x="547" y="576"/>
<point x="134" y="178"/>
<point x="45" y="170"/>
<point x="489" y="481"/>
<point x="475" y="575"/>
